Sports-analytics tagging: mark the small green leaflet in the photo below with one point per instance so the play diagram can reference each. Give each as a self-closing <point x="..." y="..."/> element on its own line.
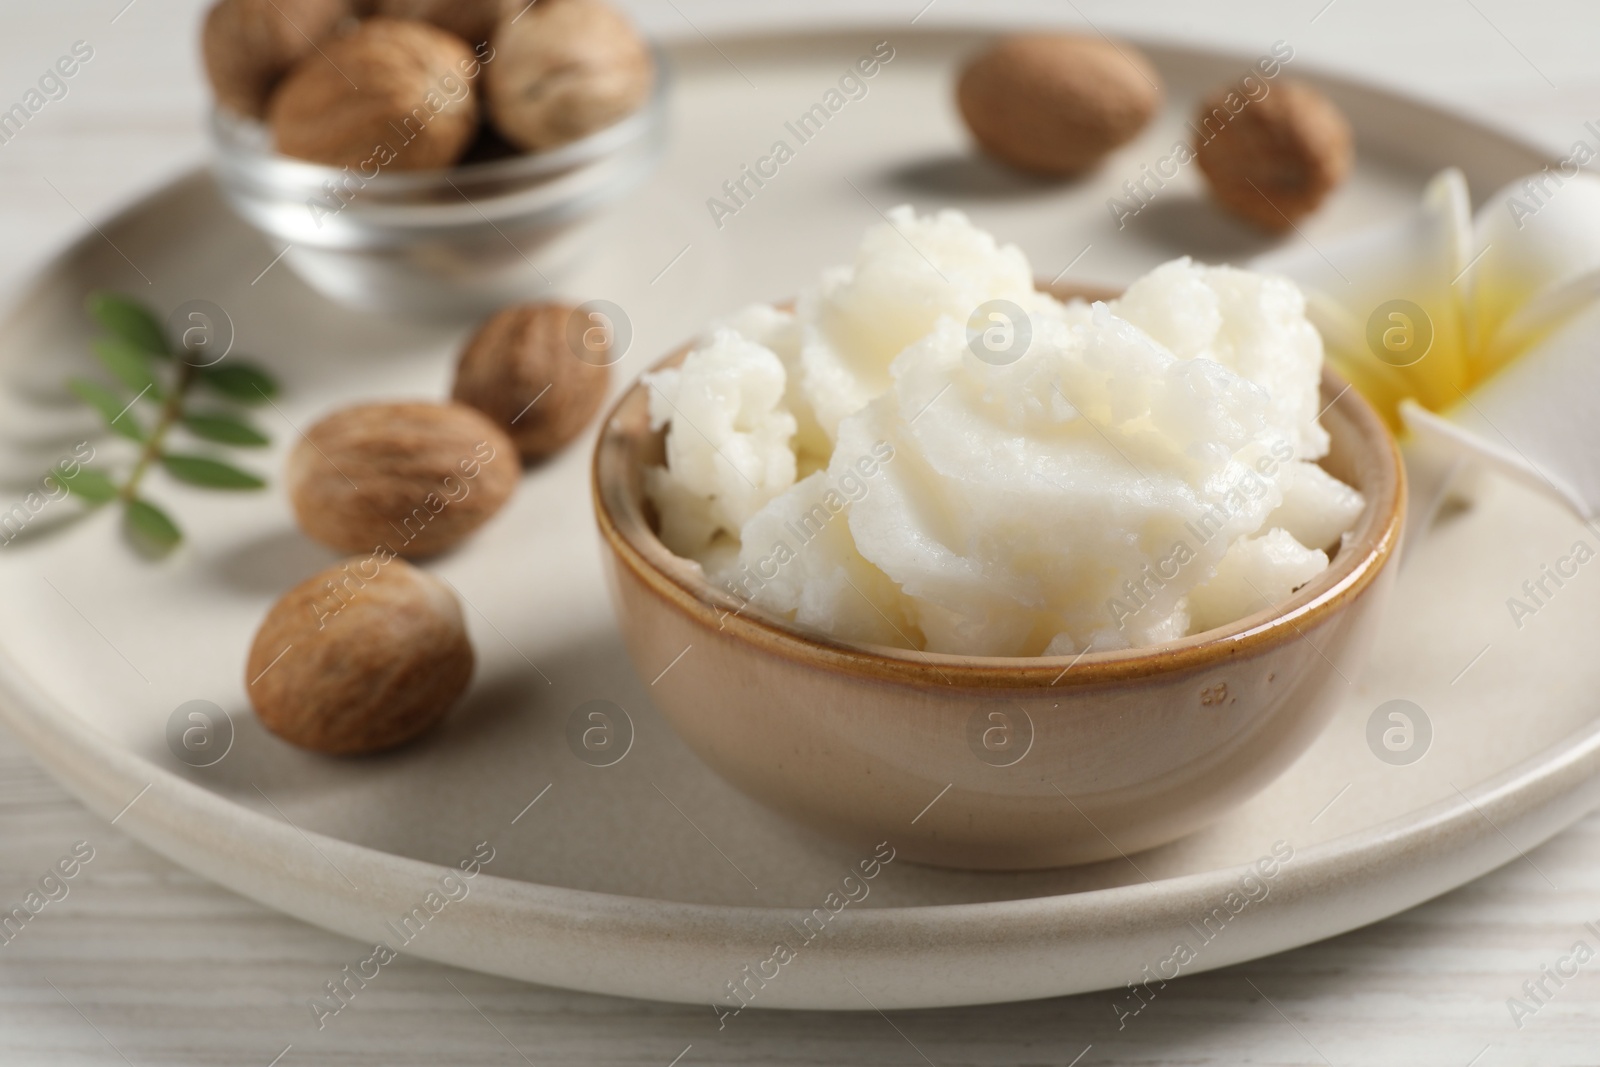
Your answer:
<point x="241" y="381"/>
<point x="128" y="364"/>
<point x="109" y="405"/>
<point x="150" y="527"/>
<point x="94" y="486"/>
<point x="130" y="321"/>
<point x="211" y="473"/>
<point x="135" y="351"/>
<point x="224" y="429"/>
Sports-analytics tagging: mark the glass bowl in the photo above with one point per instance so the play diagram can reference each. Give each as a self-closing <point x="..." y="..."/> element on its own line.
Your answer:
<point x="456" y="242"/>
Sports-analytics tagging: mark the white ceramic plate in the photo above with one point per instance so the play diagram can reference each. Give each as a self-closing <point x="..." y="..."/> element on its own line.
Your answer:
<point x="651" y="877"/>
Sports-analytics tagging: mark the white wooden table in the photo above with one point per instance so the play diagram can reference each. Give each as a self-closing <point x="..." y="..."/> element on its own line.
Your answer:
<point x="144" y="963"/>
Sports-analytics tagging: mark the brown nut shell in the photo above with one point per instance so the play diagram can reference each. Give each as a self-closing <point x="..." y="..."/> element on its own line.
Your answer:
<point x="1056" y="103"/>
<point x="360" y="657"/>
<point x="248" y="45"/>
<point x="565" y="69"/>
<point x="415" y="478"/>
<point x="1272" y="160"/>
<point x="520" y="370"/>
<point x="391" y="95"/>
<point x="473" y="21"/>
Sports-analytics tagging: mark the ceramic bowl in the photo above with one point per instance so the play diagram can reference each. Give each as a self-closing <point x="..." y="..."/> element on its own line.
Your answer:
<point x="988" y="762"/>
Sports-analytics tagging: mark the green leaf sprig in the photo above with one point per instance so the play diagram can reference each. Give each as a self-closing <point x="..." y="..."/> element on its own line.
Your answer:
<point x="151" y="373"/>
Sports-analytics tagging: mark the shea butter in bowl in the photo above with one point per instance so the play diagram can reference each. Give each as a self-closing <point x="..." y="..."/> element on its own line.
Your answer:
<point x="976" y="671"/>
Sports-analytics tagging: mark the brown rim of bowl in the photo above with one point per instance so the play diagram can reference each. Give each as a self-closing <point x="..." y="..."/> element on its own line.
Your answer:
<point x="619" y="510"/>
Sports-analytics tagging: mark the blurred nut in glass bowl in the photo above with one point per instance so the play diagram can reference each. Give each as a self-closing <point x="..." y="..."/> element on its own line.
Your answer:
<point x="378" y="172"/>
<point x="248" y="45"/>
<point x="319" y="114"/>
<point x="473" y="21"/>
<point x="569" y="67"/>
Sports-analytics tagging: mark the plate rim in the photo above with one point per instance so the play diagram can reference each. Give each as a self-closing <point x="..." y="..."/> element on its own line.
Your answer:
<point x="1471" y="823"/>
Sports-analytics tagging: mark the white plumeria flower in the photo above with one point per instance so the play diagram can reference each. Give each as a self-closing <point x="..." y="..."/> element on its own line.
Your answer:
<point x="1478" y="334"/>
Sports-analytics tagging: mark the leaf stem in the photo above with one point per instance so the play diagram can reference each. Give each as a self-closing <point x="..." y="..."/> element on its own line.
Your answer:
<point x="171" y="412"/>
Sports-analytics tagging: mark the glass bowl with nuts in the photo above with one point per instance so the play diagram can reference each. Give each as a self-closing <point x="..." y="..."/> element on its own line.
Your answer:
<point x="429" y="158"/>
